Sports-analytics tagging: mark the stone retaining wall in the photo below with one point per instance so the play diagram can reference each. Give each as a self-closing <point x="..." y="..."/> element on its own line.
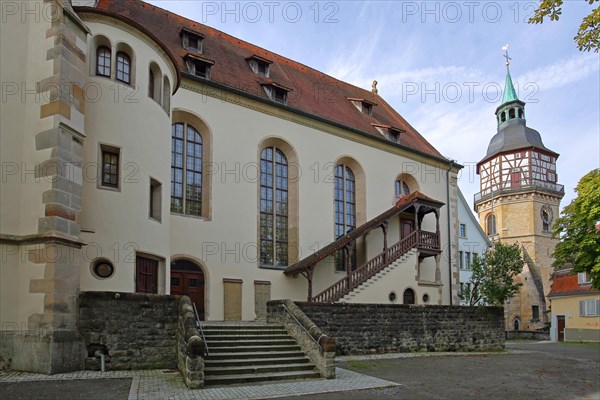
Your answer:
<point x="527" y="335"/>
<point x="134" y="330"/>
<point x="383" y="328"/>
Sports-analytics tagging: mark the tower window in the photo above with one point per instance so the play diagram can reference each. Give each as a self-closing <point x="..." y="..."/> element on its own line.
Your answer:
<point x="511" y="113"/>
<point x="520" y="113"/>
<point x="103" y="61"/>
<point x="123" y="67"/>
<point x="491" y="225"/>
<point x="503" y="116"/>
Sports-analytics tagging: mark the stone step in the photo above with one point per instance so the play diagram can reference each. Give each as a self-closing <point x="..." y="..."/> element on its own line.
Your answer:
<point x="253" y="355"/>
<point x="211" y="380"/>
<point x="255" y="342"/>
<point x="226" y="327"/>
<point x="257" y="369"/>
<point x="226" y="362"/>
<point x="252" y="349"/>
<point x="221" y="338"/>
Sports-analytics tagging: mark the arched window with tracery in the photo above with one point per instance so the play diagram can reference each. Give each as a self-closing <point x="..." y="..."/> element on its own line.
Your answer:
<point x="273" y="208"/>
<point x="491" y="224"/>
<point x="123" y="67"/>
<point x="103" y="61"/>
<point x="345" y="213"/>
<point x="186" y="170"/>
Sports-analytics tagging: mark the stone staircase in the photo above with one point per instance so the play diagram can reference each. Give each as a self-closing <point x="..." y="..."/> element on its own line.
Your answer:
<point x="380" y="275"/>
<point x="245" y="353"/>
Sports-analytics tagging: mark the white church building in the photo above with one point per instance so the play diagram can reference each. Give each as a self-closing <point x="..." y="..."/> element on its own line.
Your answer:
<point x="145" y="152"/>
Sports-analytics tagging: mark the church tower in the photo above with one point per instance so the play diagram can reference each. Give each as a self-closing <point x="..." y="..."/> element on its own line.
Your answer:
<point x="518" y="202"/>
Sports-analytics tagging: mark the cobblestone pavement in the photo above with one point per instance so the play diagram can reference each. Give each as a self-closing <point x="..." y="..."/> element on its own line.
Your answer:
<point x="159" y="385"/>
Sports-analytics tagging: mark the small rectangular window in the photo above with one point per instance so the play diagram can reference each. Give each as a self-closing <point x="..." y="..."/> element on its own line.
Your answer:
<point x="279" y="95"/>
<point x="463" y="230"/>
<point x="589" y="308"/>
<point x="584" y="278"/>
<point x="367" y="108"/>
<point x="535" y="312"/>
<point x="259" y="67"/>
<point x="109" y="159"/>
<point x="155" y="199"/>
<point x="394" y="136"/>
<point x="460" y="260"/>
<point x="467" y="260"/>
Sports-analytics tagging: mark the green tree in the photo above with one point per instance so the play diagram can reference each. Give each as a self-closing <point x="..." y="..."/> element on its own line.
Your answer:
<point x="493" y="276"/>
<point x="579" y="238"/>
<point x="588" y="36"/>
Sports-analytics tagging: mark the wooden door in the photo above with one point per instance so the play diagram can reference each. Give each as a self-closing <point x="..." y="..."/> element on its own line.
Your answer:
<point x="188" y="279"/>
<point x="146" y="275"/>
<point x="561" y="327"/>
<point x="262" y="294"/>
<point x="407" y="226"/>
<point x="232" y="297"/>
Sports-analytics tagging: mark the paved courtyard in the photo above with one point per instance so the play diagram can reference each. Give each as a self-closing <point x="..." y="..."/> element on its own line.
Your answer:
<point x="524" y="371"/>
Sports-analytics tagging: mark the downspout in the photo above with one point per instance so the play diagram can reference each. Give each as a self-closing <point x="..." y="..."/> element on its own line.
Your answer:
<point x="449" y="236"/>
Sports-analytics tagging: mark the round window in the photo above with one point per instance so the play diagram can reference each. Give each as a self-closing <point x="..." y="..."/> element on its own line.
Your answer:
<point x="425" y="298"/>
<point x="392" y="296"/>
<point x="103" y="268"/>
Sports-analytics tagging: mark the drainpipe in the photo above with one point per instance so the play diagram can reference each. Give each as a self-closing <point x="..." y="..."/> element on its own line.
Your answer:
<point x="449" y="236"/>
<point x="100" y="353"/>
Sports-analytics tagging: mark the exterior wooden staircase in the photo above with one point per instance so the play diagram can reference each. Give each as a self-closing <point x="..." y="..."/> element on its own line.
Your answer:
<point x="426" y="243"/>
<point x="421" y="240"/>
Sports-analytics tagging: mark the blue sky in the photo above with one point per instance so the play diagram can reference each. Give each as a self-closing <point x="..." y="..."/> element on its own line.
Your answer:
<point x="440" y="64"/>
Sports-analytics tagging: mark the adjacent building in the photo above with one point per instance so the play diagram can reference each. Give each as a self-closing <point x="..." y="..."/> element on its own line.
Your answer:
<point x="472" y="243"/>
<point x="575" y="306"/>
<point x="518" y="201"/>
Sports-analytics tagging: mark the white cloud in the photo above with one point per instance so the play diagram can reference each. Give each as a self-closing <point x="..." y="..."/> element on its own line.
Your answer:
<point x="563" y="72"/>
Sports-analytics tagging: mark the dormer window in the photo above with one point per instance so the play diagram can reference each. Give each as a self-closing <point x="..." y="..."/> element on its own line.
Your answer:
<point x="362" y="105"/>
<point x="198" y="66"/>
<point x="192" y="41"/>
<point x="259" y="65"/>
<point x="276" y="93"/>
<point x="391" y="133"/>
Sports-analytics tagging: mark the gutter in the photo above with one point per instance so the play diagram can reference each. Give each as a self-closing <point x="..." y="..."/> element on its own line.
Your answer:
<point x="450" y="164"/>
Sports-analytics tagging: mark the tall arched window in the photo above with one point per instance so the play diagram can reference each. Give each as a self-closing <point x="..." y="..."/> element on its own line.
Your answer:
<point x="123" y="67"/>
<point x="273" y="208"/>
<point x="402" y="188"/>
<point x="516" y="324"/>
<point x="186" y="170"/>
<point x="345" y="213"/>
<point x="491" y="224"/>
<point x="408" y="297"/>
<point x="151" y="89"/>
<point x="103" y="60"/>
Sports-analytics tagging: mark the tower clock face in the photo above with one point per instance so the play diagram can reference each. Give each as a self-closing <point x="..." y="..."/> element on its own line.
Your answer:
<point x="547" y="214"/>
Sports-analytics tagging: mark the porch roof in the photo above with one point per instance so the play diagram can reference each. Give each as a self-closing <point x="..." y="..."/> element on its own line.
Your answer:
<point x="403" y="204"/>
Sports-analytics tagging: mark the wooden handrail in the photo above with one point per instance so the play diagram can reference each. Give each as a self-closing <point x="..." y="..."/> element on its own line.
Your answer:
<point x="369" y="269"/>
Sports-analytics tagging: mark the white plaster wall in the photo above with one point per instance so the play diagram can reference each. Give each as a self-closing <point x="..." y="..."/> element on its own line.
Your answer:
<point x="116" y="224"/>
<point x="234" y="207"/>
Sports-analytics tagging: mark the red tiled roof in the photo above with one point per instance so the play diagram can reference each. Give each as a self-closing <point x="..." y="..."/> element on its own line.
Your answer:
<point x="313" y="92"/>
<point x="566" y="284"/>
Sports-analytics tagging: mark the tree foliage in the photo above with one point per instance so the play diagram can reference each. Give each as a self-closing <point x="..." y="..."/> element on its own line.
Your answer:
<point x="493" y="276"/>
<point x="588" y="36"/>
<point x="579" y="239"/>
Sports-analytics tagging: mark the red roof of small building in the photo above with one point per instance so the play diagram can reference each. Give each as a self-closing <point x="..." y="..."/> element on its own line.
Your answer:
<point x="564" y="283"/>
<point x="312" y="92"/>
